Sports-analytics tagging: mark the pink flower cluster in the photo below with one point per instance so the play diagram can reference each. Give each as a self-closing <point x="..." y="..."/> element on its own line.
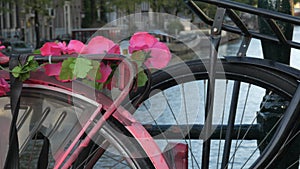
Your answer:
<point x="141" y="41"/>
<point x="97" y="45"/>
<point x="159" y="54"/>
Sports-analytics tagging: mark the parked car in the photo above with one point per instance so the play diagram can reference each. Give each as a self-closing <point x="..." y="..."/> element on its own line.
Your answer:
<point x="17" y="47"/>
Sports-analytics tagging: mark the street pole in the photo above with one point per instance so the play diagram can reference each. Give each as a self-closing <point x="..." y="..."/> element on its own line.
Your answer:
<point x="273" y="106"/>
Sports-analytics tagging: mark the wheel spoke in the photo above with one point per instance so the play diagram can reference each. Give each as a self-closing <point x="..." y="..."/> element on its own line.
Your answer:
<point x="222" y="123"/>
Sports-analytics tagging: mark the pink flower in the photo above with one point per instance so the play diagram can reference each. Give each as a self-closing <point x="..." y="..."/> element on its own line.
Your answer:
<point x="159" y="52"/>
<point x="56" y="49"/>
<point x="3" y="58"/>
<point x="4" y="87"/>
<point x="74" y="46"/>
<point x="51" y="48"/>
<point x="2" y="47"/>
<point x="101" y="45"/>
<point x="141" y="41"/>
<point x="105" y="71"/>
<point x="53" y="69"/>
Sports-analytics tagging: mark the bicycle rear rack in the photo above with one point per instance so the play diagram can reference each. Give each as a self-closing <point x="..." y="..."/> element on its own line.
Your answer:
<point x="240" y="27"/>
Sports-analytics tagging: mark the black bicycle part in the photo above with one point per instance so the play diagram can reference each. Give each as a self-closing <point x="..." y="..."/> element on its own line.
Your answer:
<point x="268" y="15"/>
<point x="265" y="73"/>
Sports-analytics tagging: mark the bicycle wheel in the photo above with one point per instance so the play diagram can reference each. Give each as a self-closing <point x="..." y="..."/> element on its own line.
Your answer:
<point x="52" y="114"/>
<point x="175" y="109"/>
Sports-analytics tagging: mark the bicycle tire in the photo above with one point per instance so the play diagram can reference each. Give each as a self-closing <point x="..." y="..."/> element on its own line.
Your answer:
<point x="34" y="101"/>
<point x="268" y="75"/>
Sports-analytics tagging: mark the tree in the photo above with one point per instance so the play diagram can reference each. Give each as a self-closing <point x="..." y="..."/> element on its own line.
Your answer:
<point x="91" y="7"/>
<point x="38" y="8"/>
<point x="168" y="6"/>
<point x="127" y="6"/>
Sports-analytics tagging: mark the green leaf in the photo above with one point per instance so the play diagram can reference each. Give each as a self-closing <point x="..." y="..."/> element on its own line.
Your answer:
<point x="82" y="67"/>
<point x="31" y="64"/>
<point x="66" y="72"/>
<point x="141" y="79"/>
<point x="138" y="57"/>
<point x="30" y="59"/>
<point x="16" y="71"/>
<point x="37" y="52"/>
<point x="94" y="73"/>
<point x="23" y="71"/>
<point x="24" y="76"/>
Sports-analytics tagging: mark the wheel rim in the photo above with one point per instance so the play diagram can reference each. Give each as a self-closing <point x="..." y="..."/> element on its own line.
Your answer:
<point x="248" y="94"/>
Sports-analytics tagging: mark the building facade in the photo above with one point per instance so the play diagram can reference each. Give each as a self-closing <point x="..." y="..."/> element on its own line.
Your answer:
<point x="56" y="18"/>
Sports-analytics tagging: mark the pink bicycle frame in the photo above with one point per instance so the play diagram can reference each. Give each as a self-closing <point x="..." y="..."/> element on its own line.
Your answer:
<point x="112" y="108"/>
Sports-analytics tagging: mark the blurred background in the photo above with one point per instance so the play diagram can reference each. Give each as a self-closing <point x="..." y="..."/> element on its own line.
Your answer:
<point x="34" y="22"/>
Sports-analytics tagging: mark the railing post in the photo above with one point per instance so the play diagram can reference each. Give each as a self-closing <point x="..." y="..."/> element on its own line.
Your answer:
<point x="273" y="106"/>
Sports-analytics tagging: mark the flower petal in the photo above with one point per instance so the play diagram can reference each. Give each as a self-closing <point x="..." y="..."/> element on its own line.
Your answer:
<point x="50" y="48"/>
<point x="75" y="46"/>
<point x="105" y="71"/>
<point x="114" y="50"/>
<point x="62" y="46"/>
<point x="140" y="41"/>
<point x="98" y="45"/>
<point x="3" y="58"/>
<point x="160" y="45"/>
<point x="53" y="69"/>
<point x="159" y="58"/>
<point x="4" y="87"/>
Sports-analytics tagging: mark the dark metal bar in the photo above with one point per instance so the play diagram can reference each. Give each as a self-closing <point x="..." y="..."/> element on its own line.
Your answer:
<point x="12" y="159"/>
<point x="55" y="59"/>
<point x="277" y="31"/>
<point x="230" y="126"/>
<point x="244" y="46"/>
<point x="246" y="131"/>
<point x="193" y="6"/>
<point x="257" y="11"/>
<point x="215" y="42"/>
<point x="238" y="22"/>
<point x="258" y="35"/>
<point x="233" y="108"/>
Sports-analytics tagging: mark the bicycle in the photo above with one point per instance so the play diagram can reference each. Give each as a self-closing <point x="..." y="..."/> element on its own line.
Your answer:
<point x="248" y="72"/>
<point x="142" y="151"/>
